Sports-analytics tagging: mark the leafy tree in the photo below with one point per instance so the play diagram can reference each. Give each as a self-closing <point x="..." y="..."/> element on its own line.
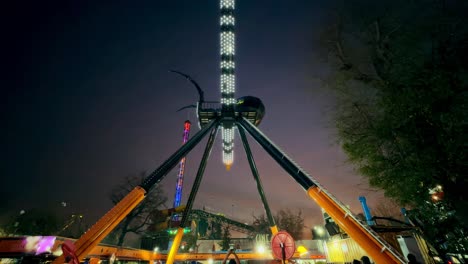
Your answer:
<point x="138" y="220"/>
<point x="291" y="222"/>
<point x="400" y="77"/>
<point x="226" y="238"/>
<point x="285" y="219"/>
<point x="441" y="228"/>
<point x="190" y="242"/>
<point x="261" y="224"/>
<point x="216" y="230"/>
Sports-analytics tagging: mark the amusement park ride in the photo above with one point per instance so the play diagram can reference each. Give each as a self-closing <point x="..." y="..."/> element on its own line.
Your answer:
<point x="181" y="171"/>
<point x="230" y="115"/>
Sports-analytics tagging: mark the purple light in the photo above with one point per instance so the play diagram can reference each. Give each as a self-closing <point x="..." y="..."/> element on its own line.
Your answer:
<point x="45" y="244"/>
<point x="38" y="244"/>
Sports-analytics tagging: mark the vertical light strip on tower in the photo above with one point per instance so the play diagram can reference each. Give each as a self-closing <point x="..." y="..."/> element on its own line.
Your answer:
<point x="228" y="81"/>
<point x="180" y="174"/>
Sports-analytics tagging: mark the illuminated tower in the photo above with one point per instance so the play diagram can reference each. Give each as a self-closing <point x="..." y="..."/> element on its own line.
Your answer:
<point x="180" y="174"/>
<point x="228" y="80"/>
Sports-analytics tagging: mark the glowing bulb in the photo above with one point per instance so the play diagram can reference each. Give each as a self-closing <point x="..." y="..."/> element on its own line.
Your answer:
<point x="261" y="249"/>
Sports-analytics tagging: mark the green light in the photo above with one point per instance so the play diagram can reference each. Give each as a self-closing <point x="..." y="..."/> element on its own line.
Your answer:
<point x="173" y="231"/>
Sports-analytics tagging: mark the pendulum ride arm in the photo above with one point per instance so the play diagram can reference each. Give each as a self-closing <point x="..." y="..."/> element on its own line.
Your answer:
<point x="253" y="168"/>
<point x="370" y="241"/>
<point x="191" y="199"/>
<point x="113" y="217"/>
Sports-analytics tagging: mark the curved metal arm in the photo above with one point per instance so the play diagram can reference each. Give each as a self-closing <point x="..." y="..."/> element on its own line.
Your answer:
<point x="200" y="91"/>
<point x="185" y="107"/>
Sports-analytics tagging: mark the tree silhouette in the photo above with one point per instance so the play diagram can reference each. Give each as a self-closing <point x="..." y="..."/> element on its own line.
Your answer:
<point x="285" y="219"/>
<point x="35" y="222"/>
<point x="138" y="220"/>
<point x="226" y="238"/>
<point x="399" y="79"/>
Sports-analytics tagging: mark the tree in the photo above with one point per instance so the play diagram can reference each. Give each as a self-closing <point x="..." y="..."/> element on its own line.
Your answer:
<point x="226" y="238"/>
<point x="293" y="223"/>
<point x="285" y="219"/>
<point x="400" y="80"/>
<point x="216" y="230"/>
<point x="261" y="224"/>
<point x="441" y="228"/>
<point x="35" y="222"/>
<point x="138" y="220"/>
<point x="189" y="242"/>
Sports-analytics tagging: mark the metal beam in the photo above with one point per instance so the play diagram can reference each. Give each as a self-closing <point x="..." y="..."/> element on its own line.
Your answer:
<point x="188" y="207"/>
<point x="253" y="168"/>
<point x="158" y="174"/>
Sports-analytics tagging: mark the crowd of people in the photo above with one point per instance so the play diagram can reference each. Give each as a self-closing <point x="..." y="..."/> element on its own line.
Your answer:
<point x="364" y="259"/>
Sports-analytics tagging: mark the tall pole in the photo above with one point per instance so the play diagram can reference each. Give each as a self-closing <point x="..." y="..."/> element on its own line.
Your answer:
<point x="228" y="80"/>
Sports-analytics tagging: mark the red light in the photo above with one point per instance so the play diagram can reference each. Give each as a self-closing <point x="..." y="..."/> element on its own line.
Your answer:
<point x="187" y="125"/>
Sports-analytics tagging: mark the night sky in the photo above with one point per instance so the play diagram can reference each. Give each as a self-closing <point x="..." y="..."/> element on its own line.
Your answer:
<point x="88" y="100"/>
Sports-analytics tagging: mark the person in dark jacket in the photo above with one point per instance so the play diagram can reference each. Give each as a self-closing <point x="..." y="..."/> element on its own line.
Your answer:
<point x="412" y="259"/>
<point x="365" y="260"/>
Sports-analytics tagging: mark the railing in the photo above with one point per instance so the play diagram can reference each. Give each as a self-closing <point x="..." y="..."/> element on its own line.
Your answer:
<point x="241" y="226"/>
<point x="212" y="105"/>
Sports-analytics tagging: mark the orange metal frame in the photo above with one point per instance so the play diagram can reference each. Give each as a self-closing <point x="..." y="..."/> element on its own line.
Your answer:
<point x="352" y="228"/>
<point x="86" y="243"/>
<point x="17" y="247"/>
<point x="106" y="224"/>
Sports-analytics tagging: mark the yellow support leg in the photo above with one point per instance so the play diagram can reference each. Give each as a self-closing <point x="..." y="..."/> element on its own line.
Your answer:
<point x="175" y="246"/>
<point x="274" y="230"/>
